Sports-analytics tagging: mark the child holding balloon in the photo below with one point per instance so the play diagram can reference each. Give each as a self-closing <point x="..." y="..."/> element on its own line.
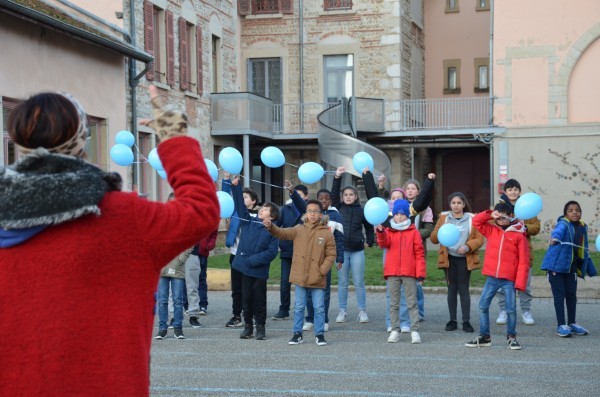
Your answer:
<point x="566" y="259"/>
<point x="506" y="265"/>
<point x="459" y="257"/>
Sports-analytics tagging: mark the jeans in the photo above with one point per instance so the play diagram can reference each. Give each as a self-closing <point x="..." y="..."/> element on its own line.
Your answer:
<point x="192" y="275"/>
<point x="176" y="285"/>
<point x="203" y="285"/>
<point x="355" y="261"/>
<point x="254" y="300"/>
<point x="564" y="289"/>
<point x="492" y="284"/>
<point x="236" y="289"/>
<point x="524" y="297"/>
<point x="285" y="285"/>
<point x="318" y="296"/>
<point x="310" y="313"/>
<point x="457" y="279"/>
<point x="404" y="315"/>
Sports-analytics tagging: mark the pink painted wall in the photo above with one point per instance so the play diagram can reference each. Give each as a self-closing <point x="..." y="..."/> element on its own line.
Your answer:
<point x="463" y="35"/>
<point x="584" y="87"/>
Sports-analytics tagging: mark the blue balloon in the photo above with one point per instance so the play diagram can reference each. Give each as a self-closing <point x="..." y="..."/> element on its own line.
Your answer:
<point x="376" y="211"/>
<point x="154" y="160"/>
<point x="125" y="137"/>
<point x="212" y="169"/>
<point x="121" y="154"/>
<point x="598" y="243"/>
<point x="226" y="204"/>
<point x="310" y="172"/>
<point x="272" y="157"/>
<point x="162" y="173"/>
<point x="448" y="235"/>
<point x="528" y="206"/>
<point x="231" y="160"/>
<point x="362" y="160"/>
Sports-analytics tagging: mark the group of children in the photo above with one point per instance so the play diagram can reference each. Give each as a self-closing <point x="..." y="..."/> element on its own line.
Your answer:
<point x="332" y="231"/>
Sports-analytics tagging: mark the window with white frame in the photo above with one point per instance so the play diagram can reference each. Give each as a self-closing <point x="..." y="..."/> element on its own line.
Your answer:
<point x="452" y="6"/>
<point x="451" y="76"/>
<point x="482" y="74"/>
<point x="482" y="5"/>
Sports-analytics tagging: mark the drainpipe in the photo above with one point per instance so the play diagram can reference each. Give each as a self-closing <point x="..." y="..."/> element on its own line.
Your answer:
<point x="491" y="87"/>
<point x="301" y="60"/>
<point x="246" y="157"/>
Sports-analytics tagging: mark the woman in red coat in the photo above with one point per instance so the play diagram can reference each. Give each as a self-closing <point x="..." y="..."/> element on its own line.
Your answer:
<point x="82" y="259"/>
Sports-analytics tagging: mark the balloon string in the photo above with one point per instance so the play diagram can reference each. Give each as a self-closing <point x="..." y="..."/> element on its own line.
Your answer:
<point x="246" y="220"/>
<point x="293" y="165"/>
<point x="264" y="183"/>
<point x="568" y="243"/>
<point x="139" y="153"/>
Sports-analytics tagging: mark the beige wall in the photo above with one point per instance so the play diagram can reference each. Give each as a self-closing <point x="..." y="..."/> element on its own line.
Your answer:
<point x="460" y="35"/>
<point x="105" y="9"/>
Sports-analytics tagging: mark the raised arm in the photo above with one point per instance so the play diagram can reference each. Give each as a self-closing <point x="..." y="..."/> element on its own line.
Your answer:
<point x="369" y="181"/>
<point x="425" y="195"/>
<point x="335" y="187"/>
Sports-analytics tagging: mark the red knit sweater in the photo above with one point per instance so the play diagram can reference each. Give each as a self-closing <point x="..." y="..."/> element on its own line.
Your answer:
<point x="76" y="300"/>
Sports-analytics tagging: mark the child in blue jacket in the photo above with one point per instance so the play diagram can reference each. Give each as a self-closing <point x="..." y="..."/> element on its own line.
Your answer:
<point x="566" y="259"/>
<point x="256" y="249"/>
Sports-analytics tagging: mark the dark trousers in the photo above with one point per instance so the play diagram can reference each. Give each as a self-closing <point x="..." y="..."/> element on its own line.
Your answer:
<point x="310" y="311"/>
<point x="202" y="285"/>
<point x="457" y="279"/>
<point x="236" y="289"/>
<point x="254" y="300"/>
<point x="564" y="289"/>
<point x="285" y="285"/>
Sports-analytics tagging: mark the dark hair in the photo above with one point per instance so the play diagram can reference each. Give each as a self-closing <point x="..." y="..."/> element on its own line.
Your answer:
<point x="45" y="120"/>
<point x="315" y="202"/>
<point x="511" y="183"/>
<point x="463" y="198"/>
<point x="567" y="206"/>
<point x="274" y="210"/>
<point x="324" y="191"/>
<point x="504" y="208"/>
<point x="252" y="193"/>
<point x="302" y="188"/>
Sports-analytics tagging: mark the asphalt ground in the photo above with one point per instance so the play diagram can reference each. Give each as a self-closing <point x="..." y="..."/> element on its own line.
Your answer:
<point x="214" y="361"/>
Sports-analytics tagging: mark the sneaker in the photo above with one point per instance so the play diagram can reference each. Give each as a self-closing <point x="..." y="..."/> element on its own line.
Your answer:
<point x="527" y="318"/>
<point x="421" y="318"/>
<point x="415" y="337"/>
<point x="452" y="325"/>
<point x="577" y="329"/>
<point x="307" y="326"/>
<point x="247" y="332"/>
<point x="296" y="339"/>
<point x="195" y="323"/>
<point x="320" y="340"/>
<point x="362" y="317"/>
<point x="467" y="327"/>
<point x="179" y="333"/>
<point x="563" y="331"/>
<point x="234" y="322"/>
<point x="481" y="341"/>
<point x="405" y="330"/>
<point x="502" y="318"/>
<point x="260" y="332"/>
<point x="203" y="311"/>
<point x="341" y="318"/>
<point x="326" y="327"/>
<point x="281" y="316"/>
<point x="513" y="344"/>
<point x="389" y="329"/>
<point x="394" y="337"/>
<point x="171" y="321"/>
<point x="162" y="334"/>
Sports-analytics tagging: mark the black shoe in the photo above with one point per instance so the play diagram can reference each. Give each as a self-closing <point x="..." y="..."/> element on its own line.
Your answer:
<point x="467" y="327"/>
<point x="281" y="316"/>
<point x="296" y="339"/>
<point x="179" y="333"/>
<point x="260" y="332"/>
<point x="451" y="325"/>
<point x="320" y="340"/>
<point x="162" y="333"/>
<point x="195" y="323"/>
<point x="247" y="332"/>
<point x="512" y="343"/>
<point x="203" y="311"/>
<point x="235" y="322"/>
<point x="481" y="341"/>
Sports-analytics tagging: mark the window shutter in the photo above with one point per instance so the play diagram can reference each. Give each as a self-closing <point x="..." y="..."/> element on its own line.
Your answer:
<point x="170" y="49"/>
<point x="244" y="7"/>
<point x="149" y="34"/>
<point x="199" y="59"/>
<point x="287" y="6"/>
<point x="183" y="54"/>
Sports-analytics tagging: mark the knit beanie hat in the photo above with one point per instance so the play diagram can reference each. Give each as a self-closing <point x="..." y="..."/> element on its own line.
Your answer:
<point x="399" y="189"/>
<point x="401" y="206"/>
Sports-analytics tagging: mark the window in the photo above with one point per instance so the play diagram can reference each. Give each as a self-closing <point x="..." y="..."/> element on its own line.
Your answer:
<point x="339" y="84"/>
<point x="216" y="64"/>
<point x="451" y="76"/>
<point x="95" y="147"/>
<point x="482" y="73"/>
<point x="265" y="7"/>
<point x="482" y="5"/>
<point x="190" y="57"/>
<point x="159" y="36"/>
<point x="264" y="78"/>
<point x="329" y="5"/>
<point x="451" y="5"/>
<point x="9" y="152"/>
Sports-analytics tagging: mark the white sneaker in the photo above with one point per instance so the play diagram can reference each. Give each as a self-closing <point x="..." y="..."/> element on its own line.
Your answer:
<point x="341" y="318"/>
<point x="389" y="329"/>
<point x="502" y="318"/>
<point x="415" y="337"/>
<point x="307" y="326"/>
<point x="326" y="328"/>
<point x="362" y="317"/>
<point x="394" y="337"/>
<point x="405" y="330"/>
<point x="527" y="318"/>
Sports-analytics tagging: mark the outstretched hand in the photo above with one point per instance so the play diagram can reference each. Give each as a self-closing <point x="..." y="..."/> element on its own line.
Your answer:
<point x="339" y="171"/>
<point x="166" y="123"/>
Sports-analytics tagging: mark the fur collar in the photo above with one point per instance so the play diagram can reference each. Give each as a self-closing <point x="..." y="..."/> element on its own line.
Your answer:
<point x="47" y="189"/>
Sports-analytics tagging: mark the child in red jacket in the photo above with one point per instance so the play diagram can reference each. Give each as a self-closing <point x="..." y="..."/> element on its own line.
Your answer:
<point x="404" y="265"/>
<point x="506" y="265"/>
